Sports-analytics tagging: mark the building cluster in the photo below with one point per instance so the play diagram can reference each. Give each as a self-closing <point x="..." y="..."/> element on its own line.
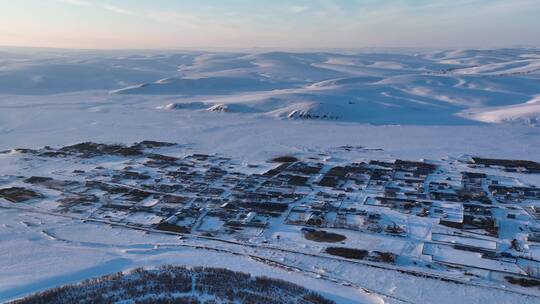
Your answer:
<point x="494" y="219"/>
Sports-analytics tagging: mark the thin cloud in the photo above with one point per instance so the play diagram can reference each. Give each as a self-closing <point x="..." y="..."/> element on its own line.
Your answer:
<point x="297" y="9"/>
<point x="116" y="9"/>
<point x="186" y="21"/>
<point x="104" y="6"/>
<point x="77" y="2"/>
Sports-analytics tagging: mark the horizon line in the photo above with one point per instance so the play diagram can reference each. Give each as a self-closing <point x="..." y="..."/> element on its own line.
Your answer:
<point x="268" y="48"/>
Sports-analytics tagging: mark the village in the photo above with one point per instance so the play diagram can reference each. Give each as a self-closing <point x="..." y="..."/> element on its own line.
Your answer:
<point x="444" y="216"/>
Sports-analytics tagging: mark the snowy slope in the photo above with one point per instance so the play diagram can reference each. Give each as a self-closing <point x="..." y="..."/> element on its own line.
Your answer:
<point x="423" y="88"/>
<point x="526" y="113"/>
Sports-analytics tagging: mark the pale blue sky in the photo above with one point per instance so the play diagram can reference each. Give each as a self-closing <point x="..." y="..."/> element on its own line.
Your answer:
<point x="269" y="23"/>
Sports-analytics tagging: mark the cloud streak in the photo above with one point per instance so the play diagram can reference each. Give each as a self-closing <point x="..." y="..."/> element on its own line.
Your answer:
<point x="103" y="6"/>
<point x="296" y="9"/>
<point x="117" y="9"/>
<point x="76" y="2"/>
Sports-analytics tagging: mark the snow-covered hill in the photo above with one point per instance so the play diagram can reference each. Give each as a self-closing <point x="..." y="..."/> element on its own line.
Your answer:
<point x="442" y="87"/>
<point x="526" y="113"/>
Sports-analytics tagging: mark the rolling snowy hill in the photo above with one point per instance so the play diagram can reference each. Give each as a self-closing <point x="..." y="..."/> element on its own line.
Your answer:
<point x="440" y="87"/>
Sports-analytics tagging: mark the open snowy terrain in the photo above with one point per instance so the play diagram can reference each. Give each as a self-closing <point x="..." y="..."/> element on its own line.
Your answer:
<point x="437" y="87"/>
<point x="443" y="107"/>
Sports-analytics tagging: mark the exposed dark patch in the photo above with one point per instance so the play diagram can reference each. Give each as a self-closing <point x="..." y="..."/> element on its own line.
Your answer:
<point x="329" y="181"/>
<point x="509" y="164"/>
<point x="18" y="194"/>
<point x="154" y="144"/>
<point x="297" y="180"/>
<point x="131" y="175"/>
<point x="37" y="180"/>
<point x="350" y="253"/>
<point x="90" y="149"/>
<point x="164" y="226"/>
<point x="285" y="159"/>
<point x="522" y="281"/>
<point x="322" y="236"/>
<point x="385" y="257"/>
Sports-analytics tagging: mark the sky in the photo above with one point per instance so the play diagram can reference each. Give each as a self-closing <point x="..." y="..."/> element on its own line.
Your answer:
<point x="177" y="24"/>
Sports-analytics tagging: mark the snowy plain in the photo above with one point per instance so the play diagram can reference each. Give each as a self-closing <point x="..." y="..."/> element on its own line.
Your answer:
<point x="255" y="106"/>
